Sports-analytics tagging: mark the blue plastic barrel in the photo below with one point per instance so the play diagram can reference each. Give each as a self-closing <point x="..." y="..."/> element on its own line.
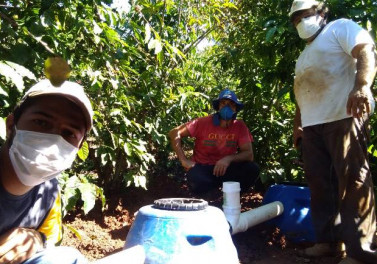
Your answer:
<point x="295" y="222"/>
<point x="176" y="236"/>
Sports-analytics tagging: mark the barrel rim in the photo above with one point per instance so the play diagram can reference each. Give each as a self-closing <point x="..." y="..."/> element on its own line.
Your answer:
<point x="180" y="204"/>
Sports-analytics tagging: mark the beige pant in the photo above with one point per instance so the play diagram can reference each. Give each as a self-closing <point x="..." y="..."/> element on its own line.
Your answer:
<point x="342" y="199"/>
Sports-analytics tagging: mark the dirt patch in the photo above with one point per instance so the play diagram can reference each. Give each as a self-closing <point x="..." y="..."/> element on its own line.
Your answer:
<point x="104" y="232"/>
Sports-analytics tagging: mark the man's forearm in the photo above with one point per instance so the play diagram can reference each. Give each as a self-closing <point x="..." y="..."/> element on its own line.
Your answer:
<point x="175" y="141"/>
<point x="246" y="155"/>
<point x="297" y="127"/>
<point x="179" y="151"/>
<point x="366" y="67"/>
<point x="297" y="118"/>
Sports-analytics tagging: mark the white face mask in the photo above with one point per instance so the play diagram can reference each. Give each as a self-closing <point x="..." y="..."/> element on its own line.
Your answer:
<point x="38" y="157"/>
<point x="309" y="26"/>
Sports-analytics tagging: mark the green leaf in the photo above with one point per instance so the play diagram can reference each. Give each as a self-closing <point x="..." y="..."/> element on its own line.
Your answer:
<point x="74" y="231"/>
<point x="269" y="23"/>
<point x="283" y="91"/>
<point x="156" y="45"/>
<point x="83" y="152"/>
<point x="357" y="12"/>
<point x="230" y="5"/>
<point x="270" y="33"/>
<point x="88" y="196"/>
<point x="115" y="112"/>
<point x="140" y="181"/>
<point x="12" y="76"/>
<point x="70" y="195"/>
<point x="96" y="28"/>
<point x="112" y="35"/>
<point x="127" y="148"/>
<point x="375" y="153"/>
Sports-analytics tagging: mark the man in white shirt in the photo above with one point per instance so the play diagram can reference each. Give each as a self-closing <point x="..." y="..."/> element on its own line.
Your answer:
<point x="333" y="77"/>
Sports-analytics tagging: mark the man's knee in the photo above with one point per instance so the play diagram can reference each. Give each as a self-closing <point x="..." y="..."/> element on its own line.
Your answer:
<point x="252" y="177"/>
<point x="247" y="173"/>
<point x="252" y="168"/>
<point x="200" y="178"/>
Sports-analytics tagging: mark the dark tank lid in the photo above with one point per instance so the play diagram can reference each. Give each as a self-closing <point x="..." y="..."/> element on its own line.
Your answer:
<point x="180" y="204"/>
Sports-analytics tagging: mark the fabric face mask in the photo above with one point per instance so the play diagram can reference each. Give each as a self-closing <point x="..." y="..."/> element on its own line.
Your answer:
<point x="226" y="113"/>
<point x="38" y="157"/>
<point x="309" y="26"/>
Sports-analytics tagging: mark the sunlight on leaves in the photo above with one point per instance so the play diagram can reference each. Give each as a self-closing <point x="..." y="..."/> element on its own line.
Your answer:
<point x="11" y="76"/>
<point x="2" y="129"/>
<point x="147" y="33"/>
<point x="88" y="195"/>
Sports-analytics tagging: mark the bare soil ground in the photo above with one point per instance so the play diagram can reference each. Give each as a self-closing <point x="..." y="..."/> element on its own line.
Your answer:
<point x="104" y="232"/>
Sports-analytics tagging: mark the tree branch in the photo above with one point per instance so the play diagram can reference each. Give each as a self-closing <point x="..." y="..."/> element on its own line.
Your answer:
<point x="9" y="20"/>
<point x="39" y="40"/>
<point x="163" y="18"/>
<point x="197" y="41"/>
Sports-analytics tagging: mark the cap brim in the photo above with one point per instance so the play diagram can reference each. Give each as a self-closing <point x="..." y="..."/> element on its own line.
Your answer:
<point x="304" y="7"/>
<point x="215" y="104"/>
<point x="70" y="90"/>
<point x="75" y="100"/>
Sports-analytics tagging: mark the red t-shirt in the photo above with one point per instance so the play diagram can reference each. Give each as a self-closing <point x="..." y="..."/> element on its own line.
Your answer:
<point x="215" y="142"/>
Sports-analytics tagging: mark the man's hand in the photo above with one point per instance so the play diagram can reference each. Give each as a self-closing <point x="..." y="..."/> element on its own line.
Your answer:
<point x="358" y="103"/>
<point x="19" y="244"/>
<point x="297" y="127"/>
<point x="187" y="164"/>
<point x="221" y="166"/>
<point x="297" y="135"/>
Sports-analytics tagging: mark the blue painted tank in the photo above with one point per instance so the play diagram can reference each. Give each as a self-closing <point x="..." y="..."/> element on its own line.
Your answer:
<point x="295" y="222"/>
<point x="172" y="235"/>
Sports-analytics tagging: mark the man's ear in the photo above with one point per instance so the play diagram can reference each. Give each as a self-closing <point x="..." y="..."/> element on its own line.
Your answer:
<point x="10" y="126"/>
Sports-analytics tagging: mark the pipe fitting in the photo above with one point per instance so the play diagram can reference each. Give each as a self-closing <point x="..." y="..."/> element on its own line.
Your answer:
<point x="240" y="222"/>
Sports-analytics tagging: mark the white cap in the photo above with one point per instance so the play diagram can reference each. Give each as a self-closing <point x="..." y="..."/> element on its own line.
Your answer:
<point x="71" y="90"/>
<point x="298" y="5"/>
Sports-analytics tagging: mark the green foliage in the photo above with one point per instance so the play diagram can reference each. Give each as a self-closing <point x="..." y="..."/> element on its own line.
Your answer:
<point x="11" y="76"/>
<point x="140" y="68"/>
<point x="79" y="188"/>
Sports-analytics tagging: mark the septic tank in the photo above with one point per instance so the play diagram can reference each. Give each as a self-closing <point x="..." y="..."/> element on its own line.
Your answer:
<point x="181" y="230"/>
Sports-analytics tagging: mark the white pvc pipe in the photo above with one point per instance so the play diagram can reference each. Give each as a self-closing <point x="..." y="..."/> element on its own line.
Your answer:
<point x="257" y="216"/>
<point x="240" y="222"/>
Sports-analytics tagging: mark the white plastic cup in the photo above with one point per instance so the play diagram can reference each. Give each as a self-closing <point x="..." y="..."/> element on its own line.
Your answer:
<point x="231" y="197"/>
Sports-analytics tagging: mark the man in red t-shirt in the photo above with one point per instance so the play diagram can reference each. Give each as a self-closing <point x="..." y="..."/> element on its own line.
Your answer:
<point x="223" y="147"/>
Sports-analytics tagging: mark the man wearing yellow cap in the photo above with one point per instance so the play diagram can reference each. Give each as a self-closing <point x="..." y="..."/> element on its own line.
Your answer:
<point x="333" y="77"/>
<point x="44" y="133"/>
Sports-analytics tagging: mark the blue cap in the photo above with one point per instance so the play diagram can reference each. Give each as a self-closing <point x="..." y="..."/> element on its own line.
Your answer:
<point x="227" y="94"/>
